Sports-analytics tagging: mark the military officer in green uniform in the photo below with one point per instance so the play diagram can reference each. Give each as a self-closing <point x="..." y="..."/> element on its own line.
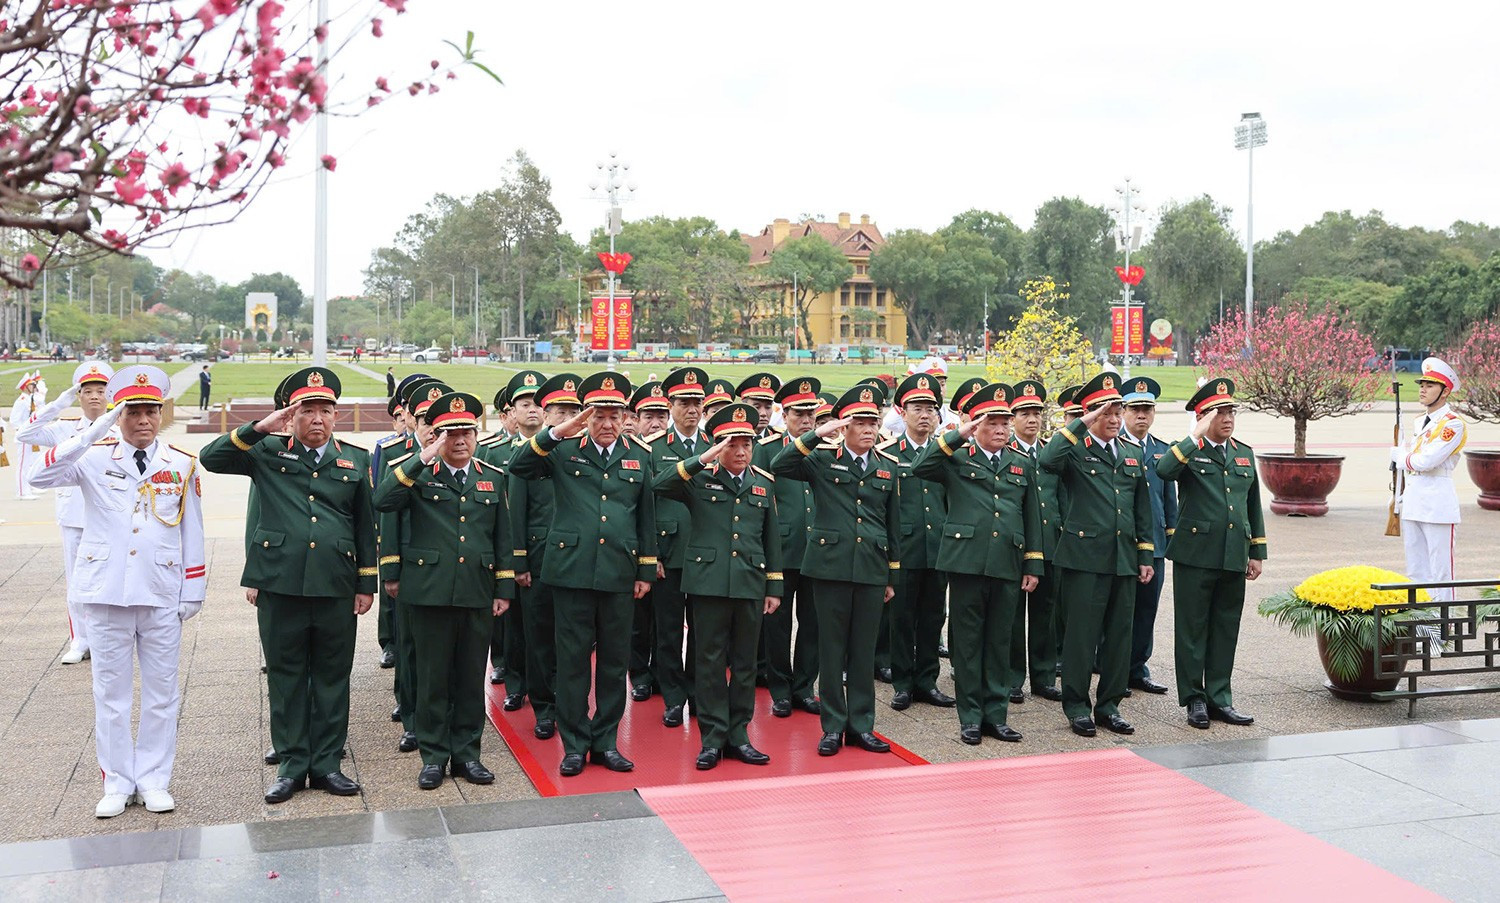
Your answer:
<point x="824" y="411"/>
<point x="1033" y="638"/>
<point x="791" y="665"/>
<point x="531" y="505"/>
<point x="601" y="559"/>
<point x="649" y="402"/>
<point x="719" y="393"/>
<point x="732" y="570"/>
<point x="453" y="582"/>
<point x="312" y="560"/>
<point x="917" y="611"/>
<point x="883" y="635"/>
<point x="1105" y="549"/>
<point x="852" y="555"/>
<point x="401" y="430"/>
<point x="504" y="669"/>
<point x="759" y="391"/>
<point x="1140" y="394"/>
<point x="1220" y="542"/>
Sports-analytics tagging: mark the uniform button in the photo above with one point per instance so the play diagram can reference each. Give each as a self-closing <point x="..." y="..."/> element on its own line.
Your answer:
<point x="575" y="473"/>
<point x="561" y="545"/>
<point x="283" y="470"/>
<point x="997" y="513"/>
<point x="606" y="476"/>
<point x="859" y="539"/>
<point x="1195" y="529"/>
<point x="699" y="558"/>
<point x="859" y="520"/>
<point x="1231" y="507"/>
<point x="601" y="540"/>
<point x="859" y="501"/>
<point x="315" y="518"/>
<point x="1080" y="532"/>
<point x="734" y="536"/>
<point x="737" y="501"/>
<point x="926" y="509"/>
<point x="924" y="489"/>
<point x="822" y="542"/>
<point x="461" y="519"/>
<point x="420" y="561"/>
<point x="463" y="498"/>
<point x="1231" y="526"/>
<point x="734" y="554"/>
<point x="461" y="539"/>
<point x="1044" y="504"/>
<point x="315" y="475"/>
<point x="312" y="545"/>
<point x="1117" y="532"/>
<point x="736" y="518"/>
<point x="603" y="517"/>
<point x="603" y="498"/>
<point x="994" y="534"/>
<point x="961" y="536"/>
<point x="1092" y="470"/>
<point x="460" y="559"/>
<point x="132" y="551"/>
<point x="861" y="483"/>
<point x="136" y="530"/>
<point x="264" y="545"/>
<point x="311" y="498"/>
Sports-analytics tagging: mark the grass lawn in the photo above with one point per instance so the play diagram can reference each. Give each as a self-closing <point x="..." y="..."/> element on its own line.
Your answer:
<point x="259" y="379"/>
<point x="58" y="376"/>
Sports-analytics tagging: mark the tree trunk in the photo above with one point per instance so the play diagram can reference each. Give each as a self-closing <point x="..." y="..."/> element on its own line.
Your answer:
<point x="1299" y="436"/>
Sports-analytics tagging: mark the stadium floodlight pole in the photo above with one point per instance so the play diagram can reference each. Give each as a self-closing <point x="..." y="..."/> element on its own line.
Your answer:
<point x="320" y="214"/>
<point x="452" y="305"/>
<point x="476" y="312"/>
<point x="615" y="173"/>
<point x="1129" y="238"/>
<point x="1248" y="135"/>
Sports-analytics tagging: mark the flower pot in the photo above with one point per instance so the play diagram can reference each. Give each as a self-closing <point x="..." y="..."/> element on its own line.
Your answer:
<point x="1300" y="486"/>
<point x="1484" y="470"/>
<point x="1362" y="686"/>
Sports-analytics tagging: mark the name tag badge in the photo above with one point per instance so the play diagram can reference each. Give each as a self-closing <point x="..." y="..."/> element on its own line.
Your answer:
<point x="115" y="473"/>
<point x="282" y="454"/>
<point x="718" y="486"/>
<point x="1131" y="462"/>
<point x="838" y="467"/>
<point x="1242" y="462"/>
<point x="1091" y="459"/>
<point x="1202" y="460"/>
<point x="630" y="464"/>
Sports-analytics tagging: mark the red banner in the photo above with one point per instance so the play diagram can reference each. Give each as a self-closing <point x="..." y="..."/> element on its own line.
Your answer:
<point x="624" y="316"/>
<point x="1137" y="330"/>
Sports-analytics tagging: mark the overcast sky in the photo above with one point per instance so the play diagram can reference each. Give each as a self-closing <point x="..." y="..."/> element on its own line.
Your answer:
<point x="907" y="112"/>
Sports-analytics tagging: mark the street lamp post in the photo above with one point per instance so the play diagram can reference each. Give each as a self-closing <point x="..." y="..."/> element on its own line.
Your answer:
<point x="476" y="311"/>
<point x="452" y="304"/>
<point x="615" y="172"/>
<point x="1248" y="135"/>
<point x="1129" y="237"/>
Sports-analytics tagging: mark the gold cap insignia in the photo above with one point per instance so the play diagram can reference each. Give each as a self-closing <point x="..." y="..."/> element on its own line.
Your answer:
<point x="315" y="378"/>
<point x="867" y="396"/>
<point x="1141" y="387"/>
<point x="765" y="382"/>
<point x="738" y="416"/>
<point x="607" y="384"/>
<point x="805" y="388"/>
<point x="1028" y="389"/>
<point x="976" y="386"/>
<point x="690" y="378"/>
<point x="141" y="379"/>
<point x="1109" y="382"/>
<point x="93" y="368"/>
<point x="434" y="393"/>
<point x="529" y="379"/>
<point x="1222" y="389"/>
<point x="922" y="383"/>
<point x="456" y="406"/>
<point x="568" y="385"/>
<point x="656" y="391"/>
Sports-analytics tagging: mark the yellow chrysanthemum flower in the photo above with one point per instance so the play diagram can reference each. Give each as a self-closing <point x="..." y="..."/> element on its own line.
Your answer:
<point x="1348" y="588"/>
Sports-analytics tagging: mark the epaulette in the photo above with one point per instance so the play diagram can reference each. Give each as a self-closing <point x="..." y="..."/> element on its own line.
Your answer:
<point x="891" y="441"/>
<point x="767" y="474"/>
<point x="654" y="436"/>
<point x="396" y="440"/>
<point x="884" y="454"/>
<point x="519" y="441"/>
<point x="181" y="451"/>
<point x="491" y="441"/>
<point x="108" y="440"/>
<point x="480" y="466"/>
<point x="828" y="446"/>
<point x="396" y="461"/>
<point x="638" y="441"/>
<point x="346" y="444"/>
<point x="767" y="440"/>
<point x="69" y="419"/>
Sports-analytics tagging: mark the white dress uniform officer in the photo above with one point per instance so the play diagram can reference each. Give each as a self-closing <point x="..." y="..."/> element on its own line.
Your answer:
<point x="48" y="430"/>
<point x="139" y="574"/>
<point x="1429" y="506"/>
<point x="30" y="400"/>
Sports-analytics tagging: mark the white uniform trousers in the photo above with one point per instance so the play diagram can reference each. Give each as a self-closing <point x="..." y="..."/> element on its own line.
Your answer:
<point x="23" y="462"/>
<point x="76" y="628"/>
<point x="1429" y="554"/>
<point x="117" y="634"/>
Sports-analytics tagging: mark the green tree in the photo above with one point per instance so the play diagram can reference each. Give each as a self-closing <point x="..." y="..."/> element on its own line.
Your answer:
<point x="679" y="272"/>
<point x="69" y="323"/>
<point x="1193" y="257"/>
<point x="1073" y="242"/>
<point x="815" y="266"/>
<point x="1042" y="344"/>
<point x="1436" y="307"/>
<point x="939" y="280"/>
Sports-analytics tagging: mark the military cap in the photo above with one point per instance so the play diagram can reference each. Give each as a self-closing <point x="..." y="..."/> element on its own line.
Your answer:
<point x="917" y="387"/>
<point x="737" y="419"/>
<point x="826" y="401"/>
<point x="604" y="389"/>
<point x="861" y="400"/>
<point x="1216" y="393"/>
<point x="26" y="380"/>
<point x="425" y="394"/>
<point x="527" y="382"/>
<point x="454" y="411"/>
<point x="720" y="391"/>
<point x="880" y="386"/>
<point x="406" y="382"/>
<point x="648" y="396"/>
<point x="965" y="389"/>
<point x="1436" y="370"/>
<point x="1029" y="394"/>
<point x="502" y="398"/>
<point x="559" y="389"/>
<point x="140" y="384"/>
<point x="799" y="392"/>
<point x="759" y="386"/>
<point x="685" y="382"/>
<point x="391" y="405"/>
<point x="1104" y="388"/>
<point x="1141" y="391"/>
<point x="283" y="389"/>
<point x="314" y="384"/>
<point x="1067" y="397"/>
<point x="92" y="372"/>
<point x="991" y="398"/>
<point x="413" y="390"/>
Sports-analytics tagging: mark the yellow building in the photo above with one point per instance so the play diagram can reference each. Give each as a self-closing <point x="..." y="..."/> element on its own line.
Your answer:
<point x="859" y="313"/>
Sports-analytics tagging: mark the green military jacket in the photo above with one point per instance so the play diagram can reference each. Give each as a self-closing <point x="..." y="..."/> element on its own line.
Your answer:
<point x="455" y="551"/>
<point x="1219" y="520"/>
<point x="603" y="534"/>
<point x="531" y="506"/>
<point x="314" y="532"/>
<point x="1107" y="528"/>
<point x="1049" y="498"/>
<point x="394" y="526"/>
<point x="734" y="549"/>
<point x="923" y="507"/>
<point x="856" y="528"/>
<point x="673" y="524"/>
<point x="794" y="502"/>
<point x="994" y="524"/>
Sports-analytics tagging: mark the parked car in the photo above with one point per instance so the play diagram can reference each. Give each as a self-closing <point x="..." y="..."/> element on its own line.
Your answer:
<point x="472" y="352"/>
<point x="430" y="355"/>
<point x="1397" y="360"/>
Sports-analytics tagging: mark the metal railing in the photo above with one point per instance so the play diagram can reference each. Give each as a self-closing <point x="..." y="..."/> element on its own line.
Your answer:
<point x="1458" y="623"/>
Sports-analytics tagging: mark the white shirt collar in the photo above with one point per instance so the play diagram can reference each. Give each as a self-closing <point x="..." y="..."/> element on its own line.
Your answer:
<point x="684" y="436"/>
<point x="604" y="451"/>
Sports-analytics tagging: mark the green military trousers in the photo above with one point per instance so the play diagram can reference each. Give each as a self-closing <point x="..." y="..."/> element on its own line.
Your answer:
<point x="1098" y="621"/>
<point x="727" y="632"/>
<point x="981" y="611"/>
<point x="792" y="657"/>
<point x="308" y="643"/>
<point x="588" y="620"/>
<point x="451" y="644"/>
<point x="917" y="615"/>
<point x="1033" y="636"/>
<point x="848" y="622"/>
<point x="1207" y="604"/>
<point x="541" y="648"/>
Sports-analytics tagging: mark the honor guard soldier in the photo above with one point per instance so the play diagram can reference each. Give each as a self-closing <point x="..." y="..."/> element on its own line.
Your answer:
<point x="48" y="431"/>
<point x="29" y="400"/>
<point x="759" y="391"/>
<point x="684" y="388"/>
<point x="992" y="552"/>
<point x="652" y="414"/>
<point x="1219" y="543"/>
<point x="601" y="559"/>
<point x="1429" y="506"/>
<point x="917" y="611"/>
<point x="1033" y="637"/>
<point x="791" y="666"/>
<point x="719" y="393"/>
<point x="140" y="573"/>
<point x="732" y="571"/>
<point x="453" y="582"/>
<point x="852" y="557"/>
<point x="1140" y="395"/>
<point x="1105" y="549"/>
<point x="313" y="560"/>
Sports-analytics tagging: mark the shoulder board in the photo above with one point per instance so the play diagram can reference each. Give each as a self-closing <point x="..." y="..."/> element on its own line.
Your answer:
<point x="653" y="437"/>
<point x="887" y="455"/>
<point x="1239" y="443"/>
<point x="343" y="444"/>
<point x="76" y="419"/>
<point x="829" y="446"/>
<point x="763" y="473"/>
<point x="491" y="441"/>
<point x="638" y="441"/>
<point x="767" y="440"/>
<point x="481" y="466"/>
<point x="519" y="441"/>
<point x="393" y="462"/>
<point x="1454" y="417"/>
<point x="888" y="443"/>
<point x="181" y="451"/>
<point x="108" y="440"/>
<point x="396" y="440"/>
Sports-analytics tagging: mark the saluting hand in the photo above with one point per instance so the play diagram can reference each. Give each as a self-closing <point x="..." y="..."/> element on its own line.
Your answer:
<point x="278" y="420"/>
<point x="832" y="426"/>
<point x="575" y="424"/>
<point x="1092" y="417"/>
<point x="713" y="452"/>
<point x="1204" y="422"/>
<point x="434" y="448"/>
<point x="969" y="428"/>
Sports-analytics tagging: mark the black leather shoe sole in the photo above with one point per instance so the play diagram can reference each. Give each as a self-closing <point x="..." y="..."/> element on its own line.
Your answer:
<point x="747" y="754"/>
<point x="640" y="694"/>
<point x="612" y="760"/>
<point x="672" y="717"/>
<point x="1230" y="716"/>
<point x="396" y="713"/>
<point x="1197" y="714"/>
<point x="901" y="701"/>
<point x="969" y="733"/>
<point x="514" y="702"/>
<point x="572" y="765"/>
<point x="544" y="729"/>
<point x="1002" y="732"/>
<point x="1115" y="725"/>
<point x="1148" y="685"/>
<point x="867" y="742"/>
<point x="430" y="777"/>
<point x="808" y="704"/>
<point x="1017" y="696"/>
<point x="1083" y="727"/>
<point x="496" y="677"/>
<point x="708" y="759"/>
<point x="829" y="745"/>
<point x="883" y="675"/>
<point x="935" y="698"/>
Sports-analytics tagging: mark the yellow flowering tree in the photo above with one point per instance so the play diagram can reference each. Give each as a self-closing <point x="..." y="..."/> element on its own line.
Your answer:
<point x="1043" y="343"/>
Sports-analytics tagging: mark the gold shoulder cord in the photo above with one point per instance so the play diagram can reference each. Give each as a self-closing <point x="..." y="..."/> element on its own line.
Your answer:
<point x="181" y="493"/>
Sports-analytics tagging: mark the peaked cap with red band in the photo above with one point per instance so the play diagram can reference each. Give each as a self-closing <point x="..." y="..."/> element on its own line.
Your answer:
<point x="720" y="391"/>
<point x="141" y="384"/>
<point x="965" y="389"/>
<point x="759" y="386"/>
<point x="799" y="392"/>
<point x="649" y="396"/>
<point x="1436" y="370"/>
<point x="685" y="382"/>
<point x="455" y="411"/>
<point x="737" y="419"/>
<point x="1104" y="388"/>
<point x="1029" y="394"/>
<point x="605" y="389"/>
<point x="92" y="372"/>
<point x="314" y="384"/>
<point x="992" y="398"/>
<point x="560" y="389"/>
<point x="918" y="387"/>
<point x="860" y="401"/>
<point x="421" y="395"/>
<point x="1216" y="393"/>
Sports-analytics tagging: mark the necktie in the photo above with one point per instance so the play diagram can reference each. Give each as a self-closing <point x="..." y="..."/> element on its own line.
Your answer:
<point x="140" y="459"/>
<point x="738" y="481"/>
<point x="1423" y="427"/>
<point x="1109" y="451"/>
<point x="859" y="462"/>
<point x="459" y="476"/>
<point x="687" y="446"/>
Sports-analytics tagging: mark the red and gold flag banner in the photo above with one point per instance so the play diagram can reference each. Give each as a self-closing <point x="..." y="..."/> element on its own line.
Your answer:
<point x="624" y="322"/>
<point x="1136" y="329"/>
<point x="615" y="263"/>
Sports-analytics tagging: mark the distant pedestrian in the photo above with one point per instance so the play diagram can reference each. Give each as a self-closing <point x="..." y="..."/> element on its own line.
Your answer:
<point x="390" y="383"/>
<point x="205" y="384"/>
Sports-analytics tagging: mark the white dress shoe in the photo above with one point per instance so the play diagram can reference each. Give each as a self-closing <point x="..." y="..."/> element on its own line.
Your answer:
<point x="110" y="805"/>
<point x="76" y="653"/>
<point x="157" y="800"/>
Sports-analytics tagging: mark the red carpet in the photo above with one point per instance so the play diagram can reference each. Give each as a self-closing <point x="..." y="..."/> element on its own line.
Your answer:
<point x="664" y="756"/>
<point x="1104" y="825"/>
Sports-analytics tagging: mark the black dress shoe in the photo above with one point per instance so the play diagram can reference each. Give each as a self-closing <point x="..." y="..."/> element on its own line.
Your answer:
<point x="747" y="754"/>
<point x="430" y="777"/>
<point x="969" y="733"/>
<point x="708" y="758"/>
<point x="672" y="717"/>
<point x="497" y="675"/>
<point x="1114" y="724"/>
<point x="1017" y="695"/>
<point x="781" y="708"/>
<point x="809" y="704"/>
<point x="1146" y="684"/>
<point x="1003" y="732"/>
<point x="612" y="760"/>
<point x="387" y="658"/>
<point x="829" y="744"/>
<point x="408" y="742"/>
<point x="544" y="729"/>
<point x="273" y="757"/>
<point x="474" y="773"/>
<point x="901" y="701"/>
<point x="935" y="697"/>
<point x="1197" y="714"/>
<point x="514" y="701"/>
<point x="1228" y="715"/>
<point x="282" y="789"/>
<point x="1083" y="726"/>
<point x="572" y="765"/>
<point x="1048" y="692"/>
<point x="867" y="742"/>
<point x="336" y="783"/>
<point x="640" y="692"/>
<point x="396" y="713"/>
<point x="883" y="675"/>
<point x="942" y="650"/>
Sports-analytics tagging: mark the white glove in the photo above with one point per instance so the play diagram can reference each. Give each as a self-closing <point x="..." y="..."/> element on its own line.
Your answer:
<point x="69" y="395"/>
<point x="186" y="610"/>
<point x="1398" y="455"/>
